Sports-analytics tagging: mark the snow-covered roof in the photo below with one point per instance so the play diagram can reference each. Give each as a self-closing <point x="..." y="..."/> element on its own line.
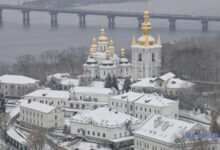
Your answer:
<point x="59" y="75"/>
<point x="104" y="116"/>
<point x="74" y="82"/>
<point x="164" y="129"/>
<point x="98" y="84"/>
<point x="167" y="76"/>
<point x="50" y="94"/>
<point x="91" y="90"/>
<point x="37" y="106"/>
<point x="91" y="60"/>
<point x="178" y="83"/>
<point x="16" y="135"/>
<point x="82" y="145"/>
<point x="17" y="79"/>
<point x="130" y="96"/>
<point x="146" y="82"/>
<point x="14" y="112"/>
<point x="152" y="99"/>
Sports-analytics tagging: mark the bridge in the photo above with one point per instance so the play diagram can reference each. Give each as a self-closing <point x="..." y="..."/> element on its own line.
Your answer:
<point x="172" y="18"/>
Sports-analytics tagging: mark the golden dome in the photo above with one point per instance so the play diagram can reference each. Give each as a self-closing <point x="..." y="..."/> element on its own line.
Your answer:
<point x="107" y="54"/>
<point x="146" y="39"/>
<point x="122" y="52"/>
<point x="91" y="53"/>
<point x="94" y="45"/>
<point x="111" y="46"/>
<point x="102" y="37"/>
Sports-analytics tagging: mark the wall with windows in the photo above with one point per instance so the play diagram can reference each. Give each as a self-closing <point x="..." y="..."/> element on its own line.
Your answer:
<point x="17" y="90"/>
<point x="45" y="120"/>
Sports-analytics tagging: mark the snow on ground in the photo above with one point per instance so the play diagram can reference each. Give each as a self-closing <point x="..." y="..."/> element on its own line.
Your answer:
<point x="196" y="115"/>
<point x="84" y="146"/>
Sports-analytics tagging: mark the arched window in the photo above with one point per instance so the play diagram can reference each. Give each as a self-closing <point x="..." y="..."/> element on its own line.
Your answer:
<point x="140" y="57"/>
<point x="153" y="57"/>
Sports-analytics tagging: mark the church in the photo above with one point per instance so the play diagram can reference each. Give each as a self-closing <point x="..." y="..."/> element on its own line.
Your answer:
<point x="146" y="56"/>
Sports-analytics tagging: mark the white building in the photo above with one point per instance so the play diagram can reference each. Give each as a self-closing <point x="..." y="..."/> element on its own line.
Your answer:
<point x="146" y="57"/>
<point x="87" y="93"/>
<point x="50" y="97"/>
<point x="167" y="84"/>
<point x="63" y="81"/>
<point x="103" y="60"/>
<point x="17" y="85"/>
<point x="40" y="115"/>
<point x="67" y="84"/>
<point x="161" y="133"/>
<point x="143" y="105"/>
<point x="58" y="76"/>
<point x="105" y="124"/>
<point x="146" y="53"/>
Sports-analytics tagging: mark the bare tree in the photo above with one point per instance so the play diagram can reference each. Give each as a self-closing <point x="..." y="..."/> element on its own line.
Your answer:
<point x="4" y="125"/>
<point x="36" y="140"/>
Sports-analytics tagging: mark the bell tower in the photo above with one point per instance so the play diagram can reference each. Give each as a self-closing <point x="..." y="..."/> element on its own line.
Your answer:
<point x="146" y="53"/>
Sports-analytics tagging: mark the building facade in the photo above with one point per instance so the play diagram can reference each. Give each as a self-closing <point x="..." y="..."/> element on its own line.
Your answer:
<point x="97" y="94"/>
<point x="146" y="53"/>
<point x="15" y="86"/>
<point x="167" y="84"/>
<point x="142" y="105"/>
<point x="162" y="133"/>
<point x="103" y="60"/>
<point x="51" y="97"/>
<point x="35" y="114"/>
<point x="105" y="124"/>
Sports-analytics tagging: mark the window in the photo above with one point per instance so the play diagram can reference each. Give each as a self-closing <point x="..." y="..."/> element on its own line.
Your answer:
<point x="78" y="130"/>
<point x="112" y="103"/>
<point x="93" y="133"/>
<point x="153" y="57"/>
<point x="98" y="134"/>
<point x="55" y="116"/>
<point x="140" y="57"/>
<point x="103" y="135"/>
<point x="88" y="132"/>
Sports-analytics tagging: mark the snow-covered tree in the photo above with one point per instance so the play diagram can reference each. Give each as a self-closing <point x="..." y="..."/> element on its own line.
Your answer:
<point x="127" y="85"/>
<point x="4" y="125"/>
<point x="115" y="82"/>
<point x="108" y="81"/>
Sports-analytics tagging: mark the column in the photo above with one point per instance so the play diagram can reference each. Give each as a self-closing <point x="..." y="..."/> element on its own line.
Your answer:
<point x="205" y="25"/>
<point x="54" y="22"/>
<point x="172" y="24"/>
<point x="82" y="20"/>
<point x="111" y="22"/>
<point x="26" y="18"/>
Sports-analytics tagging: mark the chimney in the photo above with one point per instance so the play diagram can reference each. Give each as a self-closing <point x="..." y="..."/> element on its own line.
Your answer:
<point x="29" y="101"/>
<point x="157" y="122"/>
<point x="165" y="125"/>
